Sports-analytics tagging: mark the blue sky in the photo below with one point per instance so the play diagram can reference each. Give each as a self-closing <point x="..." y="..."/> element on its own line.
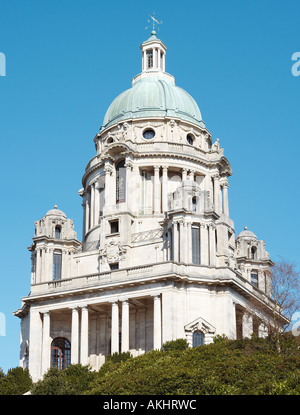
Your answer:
<point x="67" y="60"/>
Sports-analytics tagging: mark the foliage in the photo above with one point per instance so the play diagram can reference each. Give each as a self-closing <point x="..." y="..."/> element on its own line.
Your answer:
<point x="16" y="382"/>
<point x="225" y="367"/>
<point x="118" y="357"/>
<point x="74" y="380"/>
<point x="179" y="344"/>
<point x="234" y="367"/>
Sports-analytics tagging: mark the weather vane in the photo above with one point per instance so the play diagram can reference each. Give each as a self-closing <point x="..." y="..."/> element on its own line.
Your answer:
<point x="153" y="22"/>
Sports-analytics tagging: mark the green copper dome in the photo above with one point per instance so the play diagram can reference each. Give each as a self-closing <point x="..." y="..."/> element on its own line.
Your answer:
<point x="153" y="95"/>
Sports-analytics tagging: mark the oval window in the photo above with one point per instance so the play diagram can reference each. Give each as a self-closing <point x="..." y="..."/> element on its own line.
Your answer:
<point x="148" y="134"/>
<point x="190" y="139"/>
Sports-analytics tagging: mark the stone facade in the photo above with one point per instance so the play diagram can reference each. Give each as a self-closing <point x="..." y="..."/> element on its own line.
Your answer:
<point x="158" y="259"/>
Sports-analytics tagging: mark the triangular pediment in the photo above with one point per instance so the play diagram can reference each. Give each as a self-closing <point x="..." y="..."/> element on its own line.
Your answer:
<point x="201" y="325"/>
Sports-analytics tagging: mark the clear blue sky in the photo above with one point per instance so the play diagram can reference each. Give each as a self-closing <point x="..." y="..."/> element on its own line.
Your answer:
<point x="67" y="60"/>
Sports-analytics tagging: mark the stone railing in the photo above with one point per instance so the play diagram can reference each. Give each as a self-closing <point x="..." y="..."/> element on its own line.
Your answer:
<point x="143" y="273"/>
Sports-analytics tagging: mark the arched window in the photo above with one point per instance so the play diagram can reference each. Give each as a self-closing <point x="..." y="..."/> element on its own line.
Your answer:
<point x="57" y="232"/>
<point x="194" y="204"/>
<point x="121" y="182"/>
<point x="60" y="353"/>
<point x="253" y="252"/>
<point x="198" y="339"/>
<point x="149" y="54"/>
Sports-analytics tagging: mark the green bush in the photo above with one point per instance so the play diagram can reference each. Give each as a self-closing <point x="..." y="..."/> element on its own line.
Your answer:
<point x="16" y="382"/>
<point x="74" y="380"/>
<point x="225" y="367"/>
<point x="239" y="367"/>
<point x="179" y="344"/>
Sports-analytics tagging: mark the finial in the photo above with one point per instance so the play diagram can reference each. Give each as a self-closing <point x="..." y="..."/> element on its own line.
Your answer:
<point x="152" y="22"/>
<point x="245" y="228"/>
<point x="55" y="206"/>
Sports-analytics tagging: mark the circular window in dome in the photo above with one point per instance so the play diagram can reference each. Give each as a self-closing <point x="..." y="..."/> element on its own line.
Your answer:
<point x="148" y="134"/>
<point x="190" y="139"/>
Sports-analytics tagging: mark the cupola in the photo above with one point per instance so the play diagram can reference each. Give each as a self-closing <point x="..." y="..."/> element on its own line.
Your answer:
<point x="153" y="54"/>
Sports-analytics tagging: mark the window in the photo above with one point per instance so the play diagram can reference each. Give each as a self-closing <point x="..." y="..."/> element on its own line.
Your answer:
<point x="114" y="266"/>
<point x="114" y="226"/>
<point x="198" y="339"/>
<point x="56" y="265"/>
<point x="254" y="279"/>
<point x="194" y="204"/>
<point x="253" y="252"/>
<point x="149" y="54"/>
<point x="149" y="134"/>
<point x="190" y="139"/>
<point x="60" y="353"/>
<point x="57" y="232"/>
<point x="121" y="182"/>
<point x="195" y="245"/>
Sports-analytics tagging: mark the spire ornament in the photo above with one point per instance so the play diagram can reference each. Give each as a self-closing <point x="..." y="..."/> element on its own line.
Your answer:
<point x="153" y="21"/>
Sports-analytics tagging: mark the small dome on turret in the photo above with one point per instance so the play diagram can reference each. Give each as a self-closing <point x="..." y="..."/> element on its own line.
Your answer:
<point x="246" y="234"/>
<point x="56" y="212"/>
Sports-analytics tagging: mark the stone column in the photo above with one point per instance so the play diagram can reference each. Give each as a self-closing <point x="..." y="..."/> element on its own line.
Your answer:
<point x="184" y="174"/>
<point x="203" y="244"/>
<point x="175" y="241"/>
<point x="97" y="205"/>
<point x="92" y="207"/>
<point x="108" y="186"/>
<point x="129" y="190"/>
<point x="75" y="336"/>
<point x="189" y="243"/>
<point x="144" y="66"/>
<point x="156" y="196"/>
<point x="84" y="344"/>
<point x="38" y="266"/>
<point x="191" y="175"/>
<point x="217" y="194"/>
<point x="154" y="57"/>
<point x="164" y="191"/>
<point x="182" y="236"/>
<point x="42" y="274"/>
<point x="46" y="342"/>
<point x="84" y="219"/>
<point x="225" y="199"/>
<point x="212" y="245"/>
<point x="157" y="323"/>
<point x="125" y="326"/>
<point x="87" y="216"/>
<point x="247" y="322"/>
<point x="114" y="327"/>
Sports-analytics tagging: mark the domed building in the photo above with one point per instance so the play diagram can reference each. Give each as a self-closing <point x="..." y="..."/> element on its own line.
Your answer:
<point x="158" y="258"/>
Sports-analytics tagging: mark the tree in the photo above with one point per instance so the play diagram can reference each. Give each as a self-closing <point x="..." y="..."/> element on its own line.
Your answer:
<point x="285" y="291"/>
<point x="16" y="382"/>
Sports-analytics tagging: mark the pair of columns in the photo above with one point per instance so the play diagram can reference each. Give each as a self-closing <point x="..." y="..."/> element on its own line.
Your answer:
<point x="160" y="194"/>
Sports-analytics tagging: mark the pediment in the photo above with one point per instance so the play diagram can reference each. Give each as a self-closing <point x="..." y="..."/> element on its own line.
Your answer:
<point x="200" y="325"/>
